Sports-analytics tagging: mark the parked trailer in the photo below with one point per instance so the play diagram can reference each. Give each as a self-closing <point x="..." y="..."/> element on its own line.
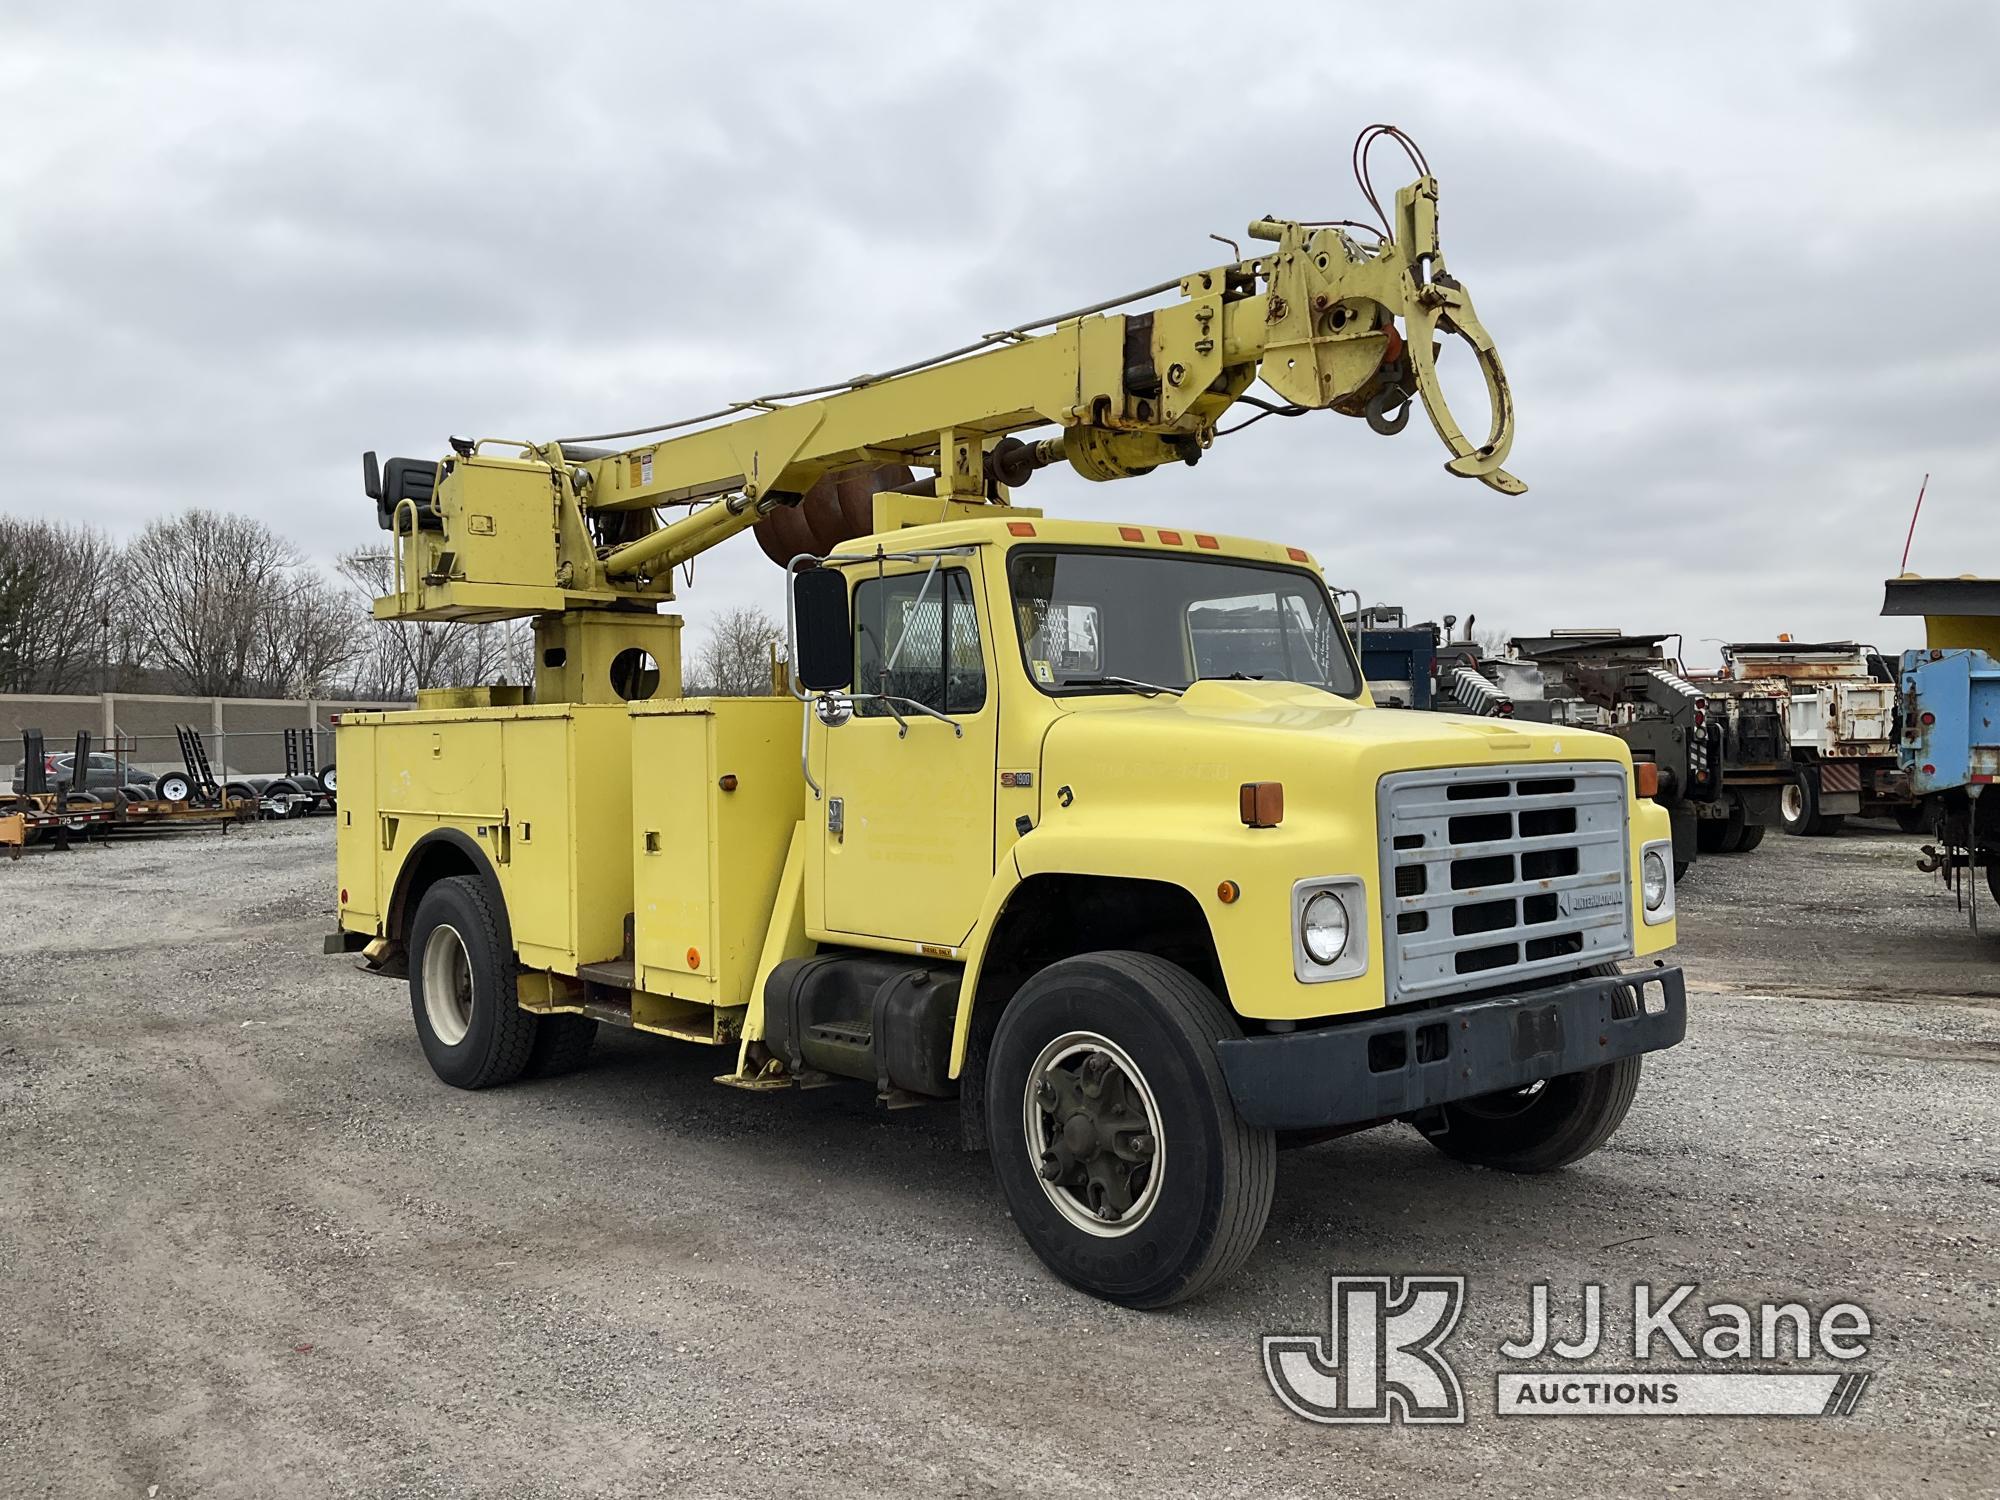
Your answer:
<point x="59" y="812"/>
<point x="1841" y="722"/>
<point x="1950" y="742"/>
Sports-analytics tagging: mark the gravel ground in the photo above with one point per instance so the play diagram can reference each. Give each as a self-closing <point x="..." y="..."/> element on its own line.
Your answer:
<point x="251" y="1247"/>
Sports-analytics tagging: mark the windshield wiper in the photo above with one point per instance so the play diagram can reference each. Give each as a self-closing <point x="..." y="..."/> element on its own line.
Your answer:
<point x="1150" y="689"/>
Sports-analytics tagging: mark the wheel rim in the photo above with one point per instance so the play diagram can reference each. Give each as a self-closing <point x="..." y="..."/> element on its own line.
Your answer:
<point x="1508" y="1106"/>
<point x="1793" y="802"/>
<point x="447" y="984"/>
<point x="1092" y="1131"/>
<point x="174" y="789"/>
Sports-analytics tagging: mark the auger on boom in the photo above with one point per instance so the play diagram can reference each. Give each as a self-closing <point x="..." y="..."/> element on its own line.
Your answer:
<point x="1092" y="828"/>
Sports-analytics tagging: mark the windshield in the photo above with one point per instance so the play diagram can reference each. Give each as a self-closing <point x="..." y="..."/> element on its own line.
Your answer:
<point x="1122" y="621"/>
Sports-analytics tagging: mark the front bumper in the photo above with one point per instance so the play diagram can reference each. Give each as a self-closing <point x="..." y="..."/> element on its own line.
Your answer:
<point x="1355" y="1072"/>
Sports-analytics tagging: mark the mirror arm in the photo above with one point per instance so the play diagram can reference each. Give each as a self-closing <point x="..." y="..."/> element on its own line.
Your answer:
<point x="805" y="750"/>
<point x="903" y="728"/>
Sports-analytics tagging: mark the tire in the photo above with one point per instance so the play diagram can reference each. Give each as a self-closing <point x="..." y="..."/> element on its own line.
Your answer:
<point x="1830" y="824"/>
<point x="1721" y="835"/>
<point x="1195" y="1200"/>
<point x="1798" y="804"/>
<point x="1549" y="1124"/>
<point x="174" y="787"/>
<point x="76" y="827"/>
<point x="1911" y="819"/>
<point x="329" y="779"/>
<point x="1753" y="835"/>
<point x="475" y="1034"/>
<point x="1681" y="868"/>
<point x="561" y="1045"/>
<point x="1993" y="881"/>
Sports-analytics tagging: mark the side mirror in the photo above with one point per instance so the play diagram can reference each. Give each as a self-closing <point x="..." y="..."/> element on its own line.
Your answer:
<point x="822" y="634"/>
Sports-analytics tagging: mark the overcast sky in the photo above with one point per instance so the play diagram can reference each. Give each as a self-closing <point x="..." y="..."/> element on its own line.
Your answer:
<point x="1738" y="261"/>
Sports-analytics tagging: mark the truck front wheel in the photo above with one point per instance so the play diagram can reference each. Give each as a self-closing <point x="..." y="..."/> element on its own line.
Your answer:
<point x="1546" y="1125"/>
<point x="463" y="987"/>
<point x="1113" y="1135"/>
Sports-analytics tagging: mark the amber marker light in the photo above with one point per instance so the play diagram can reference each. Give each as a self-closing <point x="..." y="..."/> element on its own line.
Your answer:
<point x="1263" y="803"/>
<point x="1227" y="892"/>
<point x="1645" y="778"/>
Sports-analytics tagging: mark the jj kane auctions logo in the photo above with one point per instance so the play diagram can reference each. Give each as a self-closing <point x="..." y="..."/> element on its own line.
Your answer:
<point x="1383" y="1359"/>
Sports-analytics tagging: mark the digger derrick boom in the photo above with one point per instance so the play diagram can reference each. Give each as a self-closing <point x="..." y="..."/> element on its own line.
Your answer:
<point x="504" y="529"/>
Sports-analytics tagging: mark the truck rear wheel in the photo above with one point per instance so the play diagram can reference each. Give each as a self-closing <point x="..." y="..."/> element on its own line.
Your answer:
<point x="1113" y="1135"/>
<point x="1753" y="835"/>
<point x="464" y="988"/>
<point x="1798" y="803"/>
<point x="1721" y="835"/>
<point x="1547" y="1125"/>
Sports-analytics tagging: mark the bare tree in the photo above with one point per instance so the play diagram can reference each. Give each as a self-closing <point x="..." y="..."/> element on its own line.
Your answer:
<point x="203" y="584"/>
<point x="310" y="634"/>
<point x="734" y="659"/>
<point x="59" y="589"/>
<point x="399" y="658"/>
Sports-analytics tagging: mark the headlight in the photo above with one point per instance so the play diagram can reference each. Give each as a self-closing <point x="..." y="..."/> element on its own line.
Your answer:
<point x="1653" y="879"/>
<point x="1323" y="928"/>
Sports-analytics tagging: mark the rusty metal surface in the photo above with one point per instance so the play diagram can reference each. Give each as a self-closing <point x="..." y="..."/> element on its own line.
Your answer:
<point x="838" y="508"/>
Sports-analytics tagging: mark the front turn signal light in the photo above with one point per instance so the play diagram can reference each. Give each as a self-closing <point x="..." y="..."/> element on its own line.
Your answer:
<point x="1645" y="778"/>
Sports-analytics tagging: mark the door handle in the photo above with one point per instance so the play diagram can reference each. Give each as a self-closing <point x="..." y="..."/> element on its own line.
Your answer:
<point x="836" y="818"/>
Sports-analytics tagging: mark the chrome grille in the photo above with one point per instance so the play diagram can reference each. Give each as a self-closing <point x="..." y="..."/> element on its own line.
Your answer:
<point x="1493" y="873"/>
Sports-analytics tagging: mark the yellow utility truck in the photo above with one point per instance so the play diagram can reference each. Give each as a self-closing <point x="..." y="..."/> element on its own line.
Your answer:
<point x="1089" y="827"/>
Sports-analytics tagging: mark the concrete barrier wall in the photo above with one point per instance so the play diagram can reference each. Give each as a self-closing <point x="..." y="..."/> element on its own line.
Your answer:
<point x="243" y="736"/>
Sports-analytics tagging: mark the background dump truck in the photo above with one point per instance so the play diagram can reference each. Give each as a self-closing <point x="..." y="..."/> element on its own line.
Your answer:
<point x="1090" y="827"/>
<point x="1840" y="725"/>
<point x="1950" y="715"/>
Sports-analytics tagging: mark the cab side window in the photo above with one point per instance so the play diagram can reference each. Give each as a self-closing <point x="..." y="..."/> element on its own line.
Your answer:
<point x="918" y="641"/>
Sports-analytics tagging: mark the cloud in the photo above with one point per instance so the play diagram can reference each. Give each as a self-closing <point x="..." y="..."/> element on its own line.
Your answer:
<point x="1726" y="255"/>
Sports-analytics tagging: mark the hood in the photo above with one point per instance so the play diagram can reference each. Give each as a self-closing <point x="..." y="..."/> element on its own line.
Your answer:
<point x="1221" y="734"/>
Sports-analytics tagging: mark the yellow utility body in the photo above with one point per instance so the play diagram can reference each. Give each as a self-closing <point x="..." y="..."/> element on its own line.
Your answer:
<point x="1090" y="826"/>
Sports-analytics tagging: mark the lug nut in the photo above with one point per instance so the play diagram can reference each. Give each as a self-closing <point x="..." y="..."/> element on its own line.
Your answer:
<point x="1051" y="1168"/>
